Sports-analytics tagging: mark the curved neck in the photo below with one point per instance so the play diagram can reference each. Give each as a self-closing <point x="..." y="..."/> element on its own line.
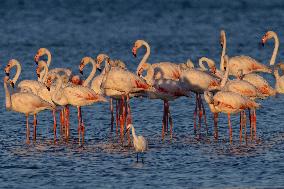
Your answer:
<point x="145" y="57"/>
<point x="43" y="74"/>
<point x="276" y="73"/>
<point x="210" y="63"/>
<point x="48" y="57"/>
<point x="150" y="74"/>
<point x="133" y="132"/>
<point x="223" y="52"/>
<point x="92" y="74"/>
<point x="8" y="96"/>
<point x="19" y="69"/>
<point x="57" y="93"/>
<point x="275" y="51"/>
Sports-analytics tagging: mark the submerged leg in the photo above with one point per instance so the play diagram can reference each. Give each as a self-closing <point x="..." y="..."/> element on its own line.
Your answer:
<point x="111" y="113"/>
<point x="216" y="126"/>
<point x="230" y="128"/>
<point x="35" y="123"/>
<point x="27" y="129"/>
<point x="54" y="125"/>
<point x="137" y="157"/>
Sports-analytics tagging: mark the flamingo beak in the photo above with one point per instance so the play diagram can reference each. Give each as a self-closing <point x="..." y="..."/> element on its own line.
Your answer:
<point x="126" y="131"/>
<point x="12" y="84"/>
<point x="38" y="75"/>
<point x="99" y="69"/>
<point x="7" y="74"/>
<point x="36" y="59"/>
<point x="48" y="88"/>
<point x="81" y="72"/>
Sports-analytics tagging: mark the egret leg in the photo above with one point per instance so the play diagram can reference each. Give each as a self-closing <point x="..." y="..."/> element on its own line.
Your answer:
<point x="216" y="126"/>
<point x="230" y="128"/>
<point x="54" y="125"/>
<point x="27" y="129"/>
<point x="35" y="123"/>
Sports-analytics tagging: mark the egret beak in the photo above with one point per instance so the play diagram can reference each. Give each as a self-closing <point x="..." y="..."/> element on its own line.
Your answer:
<point x="126" y="131"/>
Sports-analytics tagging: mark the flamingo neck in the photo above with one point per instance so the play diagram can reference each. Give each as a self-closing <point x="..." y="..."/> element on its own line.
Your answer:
<point x="8" y="96"/>
<point x="18" y="72"/>
<point x="276" y="73"/>
<point x="58" y="93"/>
<point x="225" y="78"/>
<point x="145" y="57"/>
<point x="45" y="71"/>
<point x="210" y="63"/>
<point x="48" y="57"/>
<point x="223" y="52"/>
<point x="92" y="74"/>
<point x="150" y="74"/>
<point x="275" y="51"/>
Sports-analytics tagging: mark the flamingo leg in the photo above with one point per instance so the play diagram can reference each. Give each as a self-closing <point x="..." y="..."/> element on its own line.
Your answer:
<point x="164" y="122"/>
<point x="199" y="113"/>
<point x="195" y="113"/>
<point x="112" y="117"/>
<point x="27" y="129"/>
<point x="62" y="124"/>
<point x="137" y="157"/>
<point x="116" y="115"/>
<point x="245" y="125"/>
<point x="122" y="119"/>
<point x="171" y="123"/>
<point x="204" y="114"/>
<point x="79" y="124"/>
<point x="254" y="120"/>
<point x="82" y="127"/>
<point x="35" y="123"/>
<point x="241" y="126"/>
<point x="54" y="125"/>
<point x="250" y="123"/>
<point x="167" y="116"/>
<point x="216" y="126"/>
<point x="67" y="122"/>
<point x="230" y="128"/>
<point x="129" y="119"/>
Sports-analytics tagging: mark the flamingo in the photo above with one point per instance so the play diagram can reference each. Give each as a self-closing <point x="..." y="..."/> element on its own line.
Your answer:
<point x="198" y="81"/>
<point x="245" y="63"/>
<point x="164" y="89"/>
<point x="26" y="103"/>
<point x="66" y="73"/>
<point x="230" y="103"/>
<point x="212" y="67"/>
<point x="164" y="70"/>
<point x="139" y="142"/>
<point x="119" y="83"/>
<point x="74" y="95"/>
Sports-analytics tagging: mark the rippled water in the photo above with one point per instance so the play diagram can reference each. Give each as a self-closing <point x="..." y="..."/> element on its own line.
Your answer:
<point x="176" y="30"/>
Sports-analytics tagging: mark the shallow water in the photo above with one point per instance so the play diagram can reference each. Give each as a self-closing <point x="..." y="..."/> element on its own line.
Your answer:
<point x="176" y="31"/>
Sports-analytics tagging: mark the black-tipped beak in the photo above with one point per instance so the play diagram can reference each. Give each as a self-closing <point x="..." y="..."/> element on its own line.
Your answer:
<point x="262" y="44"/>
<point x="38" y="75"/>
<point x="12" y="84"/>
<point x="7" y="74"/>
<point x="81" y="72"/>
<point x="221" y="45"/>
<point x="99" y="69"/>
<point x="134" y="54"/>
<point x="48" y="88"/>
<point x="126" y="131"/>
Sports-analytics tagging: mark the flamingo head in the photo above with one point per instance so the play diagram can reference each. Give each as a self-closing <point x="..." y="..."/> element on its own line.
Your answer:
<point x="136" y="46"/>
<point x="40" y="52"/>
<point x="268" y="35"/>
<point x="83" y="63"/>
<point x="10" y="64"/>
<point x="101" y="58"/>
<point x="76" y="80"/>
<point x="40" y="64"/>
<point x="222" y="38"/>
<point x="240" y="74"/>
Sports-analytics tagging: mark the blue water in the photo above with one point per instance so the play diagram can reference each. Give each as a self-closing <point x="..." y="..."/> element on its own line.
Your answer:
<point x="176" y="31"/>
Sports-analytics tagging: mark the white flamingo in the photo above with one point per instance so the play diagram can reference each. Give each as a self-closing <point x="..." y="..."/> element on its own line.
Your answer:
<point x="245" y="63"/>
<point x="74" y="95"/>
<point x="26" y="103"/>
<point x="139" y="142"/>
